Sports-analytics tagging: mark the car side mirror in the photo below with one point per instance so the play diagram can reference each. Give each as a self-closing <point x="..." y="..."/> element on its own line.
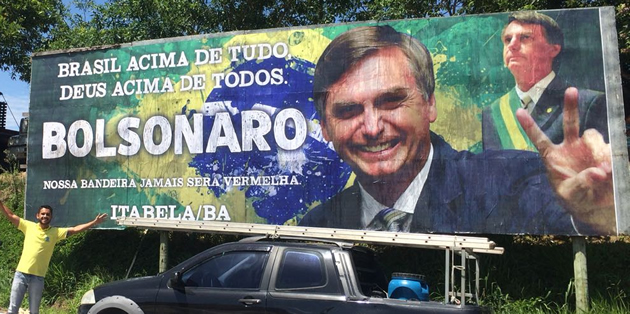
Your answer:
<point x="176" y="282"/>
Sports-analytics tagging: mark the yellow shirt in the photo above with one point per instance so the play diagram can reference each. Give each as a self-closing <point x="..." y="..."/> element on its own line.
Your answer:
<point x="38" y="247"/>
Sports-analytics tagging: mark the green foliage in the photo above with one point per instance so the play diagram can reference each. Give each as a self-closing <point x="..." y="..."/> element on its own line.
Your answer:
<point x="402" y="9"/>
<point x="59" y="282"/>
<point x="24" y="29"/>
<point x="122" y="21"/>
<point x="12" y="194"/>
<point x="501" y="302"/>
<point x="616" y="304"/>
<point x="533" y="276"/>
<point x="6" y="276"/>
<point x="27" y="26"/>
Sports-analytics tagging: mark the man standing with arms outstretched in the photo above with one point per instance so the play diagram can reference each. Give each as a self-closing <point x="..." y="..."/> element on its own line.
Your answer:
<point x="39" y="242"/>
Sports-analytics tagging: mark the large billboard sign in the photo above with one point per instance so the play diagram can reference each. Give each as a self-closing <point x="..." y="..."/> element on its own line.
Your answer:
<point x="444" y="125"/>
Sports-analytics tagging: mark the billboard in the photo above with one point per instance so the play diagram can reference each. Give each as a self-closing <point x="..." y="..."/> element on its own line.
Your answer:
<point x="408" y="125"/>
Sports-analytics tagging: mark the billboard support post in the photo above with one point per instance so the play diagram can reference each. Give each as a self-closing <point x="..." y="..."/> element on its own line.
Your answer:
<point x="581" y="274"/>
<point x="163" y="266"/>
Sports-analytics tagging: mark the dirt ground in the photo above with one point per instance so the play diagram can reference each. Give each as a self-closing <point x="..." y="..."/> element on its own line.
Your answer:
<point x="22" y="311"/>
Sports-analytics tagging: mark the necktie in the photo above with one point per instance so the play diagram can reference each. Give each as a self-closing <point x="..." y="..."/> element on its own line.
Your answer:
<point x="526" y="101"/>
<point x="390" y="219"/>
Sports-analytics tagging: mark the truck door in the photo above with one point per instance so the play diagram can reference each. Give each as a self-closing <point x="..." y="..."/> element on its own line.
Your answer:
<point x="305" y="281"/>
<point x="229" y="282"/>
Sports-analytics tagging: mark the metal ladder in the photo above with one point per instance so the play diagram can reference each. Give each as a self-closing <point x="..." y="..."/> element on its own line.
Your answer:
<point x="465" y="246"/>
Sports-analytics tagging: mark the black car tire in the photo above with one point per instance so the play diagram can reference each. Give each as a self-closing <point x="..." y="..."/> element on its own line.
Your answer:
<point x="115" y="302"/>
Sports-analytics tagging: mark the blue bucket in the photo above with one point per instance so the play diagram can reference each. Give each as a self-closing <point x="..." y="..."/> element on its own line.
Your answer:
<point x="408" y="287"/>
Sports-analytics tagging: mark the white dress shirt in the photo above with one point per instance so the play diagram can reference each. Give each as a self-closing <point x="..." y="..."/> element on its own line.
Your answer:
<point x="536" y="91"/>
<point x="406" y="202"/>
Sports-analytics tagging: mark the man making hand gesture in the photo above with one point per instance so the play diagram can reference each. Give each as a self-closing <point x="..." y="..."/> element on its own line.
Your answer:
<point x="579" y="168"/>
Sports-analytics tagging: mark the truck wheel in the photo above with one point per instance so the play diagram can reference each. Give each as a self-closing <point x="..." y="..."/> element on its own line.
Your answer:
<point x="115" y="304"/>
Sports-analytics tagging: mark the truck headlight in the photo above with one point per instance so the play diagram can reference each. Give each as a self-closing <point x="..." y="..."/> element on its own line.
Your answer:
<point x="88" y="297"/>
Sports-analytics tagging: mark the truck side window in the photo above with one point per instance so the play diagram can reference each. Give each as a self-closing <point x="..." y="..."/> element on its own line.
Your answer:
<point x="241" y="270"/>
<point x="371" y="276"/>
<point x="301" y="269"/>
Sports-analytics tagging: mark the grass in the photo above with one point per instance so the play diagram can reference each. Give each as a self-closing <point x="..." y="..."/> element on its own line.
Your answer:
<point x="535" y="275"/>
<point x="541" y="305"/>
<point x="500" y="301"/>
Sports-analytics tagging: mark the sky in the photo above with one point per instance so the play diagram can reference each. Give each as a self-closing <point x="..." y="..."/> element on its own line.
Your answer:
<point x="17" y="95"/>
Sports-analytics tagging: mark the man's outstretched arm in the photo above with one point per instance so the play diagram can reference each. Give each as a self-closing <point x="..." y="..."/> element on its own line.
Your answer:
<point x="13" y="218"/>
<point x="579" y="169"/>
<point x="78" y="228"/>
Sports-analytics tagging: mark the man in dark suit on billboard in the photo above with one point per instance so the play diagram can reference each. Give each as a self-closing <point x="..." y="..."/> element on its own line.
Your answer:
<point x="374" y="91"/>
<point x="532" y="43"/>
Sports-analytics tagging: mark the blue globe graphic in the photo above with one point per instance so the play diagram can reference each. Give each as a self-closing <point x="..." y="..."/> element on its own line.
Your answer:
<point x="320" y="173"/>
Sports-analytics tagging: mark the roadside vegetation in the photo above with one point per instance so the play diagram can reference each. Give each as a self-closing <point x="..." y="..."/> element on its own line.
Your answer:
<point x="534" y="275"/>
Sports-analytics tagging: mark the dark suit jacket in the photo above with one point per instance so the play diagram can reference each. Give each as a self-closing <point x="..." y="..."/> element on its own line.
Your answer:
<point x="504" y="191"/>
<point x="548" y="114"/>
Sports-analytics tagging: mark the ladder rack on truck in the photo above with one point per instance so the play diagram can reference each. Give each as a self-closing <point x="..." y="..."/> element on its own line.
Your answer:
<point x="466" y="247"/>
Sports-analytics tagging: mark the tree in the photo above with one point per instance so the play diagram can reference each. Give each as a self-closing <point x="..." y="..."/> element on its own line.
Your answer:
<point x="400" y="9"/>
<point x="121" y="21"/>
<point x="25" y="27"/>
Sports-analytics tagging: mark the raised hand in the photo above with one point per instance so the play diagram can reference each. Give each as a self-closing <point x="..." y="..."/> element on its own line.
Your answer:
<point x="579" y="169"/>
<point x="100" y="218"/>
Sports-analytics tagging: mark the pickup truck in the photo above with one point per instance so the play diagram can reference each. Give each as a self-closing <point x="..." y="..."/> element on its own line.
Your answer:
<point x="261" y="275"/>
